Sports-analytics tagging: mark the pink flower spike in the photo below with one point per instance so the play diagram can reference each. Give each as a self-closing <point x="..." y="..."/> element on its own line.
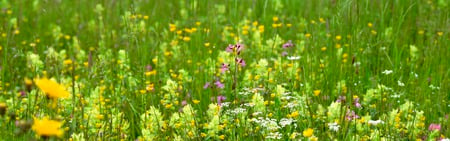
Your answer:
<point x="219" y="84"/>
<point x="434" y="126"/>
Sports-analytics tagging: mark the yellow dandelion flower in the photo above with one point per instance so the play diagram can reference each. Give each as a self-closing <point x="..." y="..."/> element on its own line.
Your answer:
<point x="196" y="101"/>
<point x="275" y="19"/>
<point x="316" y="92"/>
<point x="51" y="88"/>
<point x="308" y="132"/>
<point x="46" y="127"/>
<point x="295" y="114"/>
<point x="338" y="37"/>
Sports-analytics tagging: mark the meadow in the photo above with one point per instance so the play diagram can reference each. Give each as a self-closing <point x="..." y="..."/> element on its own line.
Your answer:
<point x="143" y="70"/>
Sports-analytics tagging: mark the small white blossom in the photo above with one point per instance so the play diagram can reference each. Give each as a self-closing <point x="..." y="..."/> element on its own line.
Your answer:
<point x="400" y="83"/>
<point x="334" y="126"/>
<point x="286" y="121"/>
<point x="375" y="122"/>
<point x="293" y="57"/>
<point x="275" y="135"/>
<point x="387" y="72"/>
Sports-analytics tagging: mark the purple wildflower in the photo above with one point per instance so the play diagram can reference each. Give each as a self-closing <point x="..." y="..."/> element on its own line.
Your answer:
<point x="206" y="85"/>
<point x="240" y="61"/>
<point x="284" y="53"/>
<point x="219" y="84"/>
<point x="220" y="99"/>
<point x="239" y="47"/>
<point x="351" y="115"/>
<point x="356" y="103"/>
<point x="23" y="93"/>
<point x="341" y="99"/>
<point x="229" y="48"/>
<point x="434" y="126"/>
<point x="224" y="67"/>
<point x="288" y="44"/>
<point x="183" y="102"/>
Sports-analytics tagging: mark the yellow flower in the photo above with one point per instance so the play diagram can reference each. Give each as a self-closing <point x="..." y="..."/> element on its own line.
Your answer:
<point x="316" y="92"/>
<point x="275" y="19"/>
<point x="196" y="101"/>
<point x="308" y="132"/>
<point x="51" y="88"/>
<point x="46" y="127"/>
<point x="295" y="114"/>
<point x="222" y="137"/>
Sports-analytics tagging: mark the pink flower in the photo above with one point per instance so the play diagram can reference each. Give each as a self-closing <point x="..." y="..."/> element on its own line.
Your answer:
<point x="240" y="61"/>
<point x="220" y="98"/>
<point x="351" y="115"/>
<point x="229" y="48"/>
<point x="356" y="103"/>
<point x="224" y="67"/>
<point x="219" y="84"/>
<point x="288" y="44"/>
<point x="434" y="126"/>
<point x="341" y="99"/>
<point x="206" y="85"/>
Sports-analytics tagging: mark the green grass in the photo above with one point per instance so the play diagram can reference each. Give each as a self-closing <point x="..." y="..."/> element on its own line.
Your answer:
<point x="101" y="52"/>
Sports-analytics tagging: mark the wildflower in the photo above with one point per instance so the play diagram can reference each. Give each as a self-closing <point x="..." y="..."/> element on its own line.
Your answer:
<point x="288" y="44"/>
<point x="234" y="48"/>
<point x="375" y="122"/>
<point x="308" y="132"/>
<point x="275" y="19"/>
<point x="293" y="135"/>
<point x="284" y="53"/>
<point x="219" y="84"/>
<point x="333" y="126"/>
<point x="351" y="115"/>
<point x="195" y="101"/>
<point x="224" y="67"/>
<point x="222" y="137"/>
<point x="51" y="88"/>
<point x="400" y="83"/>
<point x="220" y="99"/>
<point x="294" y="114"/>
<point x="293" y="57"/>
<point x="46" y="128"/>
<point x="387" y="72"/>
<point x="341" y="99"/>
<point x="3" y="108"/>
<point x="307" y="35"/>
<point x="316" y="92"/>
<point x="206" y="85"/>
<point x="434" y="126"/>
<point x="229" y="48"/>
<point x="240" y="61"/>
<point x="356" y="102"/>
<point x="286" y="121"/>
